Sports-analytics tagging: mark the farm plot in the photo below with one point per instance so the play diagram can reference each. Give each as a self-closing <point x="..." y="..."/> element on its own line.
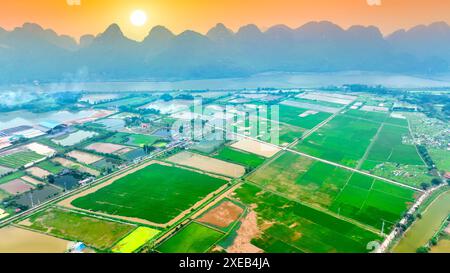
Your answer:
<point x="31" y="180"/>
<point x="194" y="238"/>
<point x="38" y="196"/>
<point x="256" y="147"/>
<point x="38" y="172"/>
<point x="303" y="118"/>
<point x="94" y="232"/>
<point x="133" y="139"/>
<point x="50" y="167"/>
<point x="19" y="159"/>
<point x="366" y="115"/>
<point x="12" y="176"/>
<point x="242" y="158"/>
<point x="343" y="140"/>
<point x="76" y="166"/>
<point x="109" y="148"/>
<point x="85" y="158"/>
<point x="338" y="190"/>
<point x="389" y="147"/>
<point x="4" y="170"/>
<point x="207" y="164"/>
<point x="17" y="240"/>
<point x="278" y="225"/>
<point x="74" y="138"/>
<point x="222" y="215"/>
<point x="441" y="158"/>
<point x="156" y="193"/>
<point x="135" y="240"/>
<point x="16" y="186"/>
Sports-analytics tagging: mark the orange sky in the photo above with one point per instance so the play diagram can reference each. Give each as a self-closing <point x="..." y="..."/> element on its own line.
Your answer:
<point x="93" y="16"/>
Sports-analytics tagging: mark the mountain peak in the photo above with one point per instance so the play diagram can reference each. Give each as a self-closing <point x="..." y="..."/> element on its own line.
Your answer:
<point x="219" y="33"/>
<point x="159" y="33"/>
<point x="113" y="31"/>
<point x="31" y="27"/>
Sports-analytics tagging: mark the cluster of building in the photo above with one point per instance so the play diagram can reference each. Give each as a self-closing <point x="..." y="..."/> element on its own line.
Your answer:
<point x="11" y="135"/>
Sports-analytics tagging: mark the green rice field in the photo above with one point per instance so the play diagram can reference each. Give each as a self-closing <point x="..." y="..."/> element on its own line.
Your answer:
<point x="50" y="166"/>
<point x="11" y="177"/>
<point x="194" y="238"/>
<point x="132" y="139"/>
<point x="292" y="227"/>
<point x="239" y="157"/>
<point x="19" y="159"/>
<point x="167" y="190"/>
<point x="97" y="233"/>
<point x="291" y="115"/>
<point x="343" y="140"/>
<point x="388" y="147"/>
<point x="338" y="190"/>
<point x="441" y="158"/>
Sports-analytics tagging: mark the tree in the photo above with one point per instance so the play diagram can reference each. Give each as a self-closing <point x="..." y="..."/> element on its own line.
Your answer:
<point x="51" y="179"/>
<point x="436" y="181"/>
<point x="422" y="249"/>
<point x="425" y="186"/>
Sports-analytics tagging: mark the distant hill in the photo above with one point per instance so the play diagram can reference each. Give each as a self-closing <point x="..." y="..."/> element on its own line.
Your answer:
<point x="31" y="53"/>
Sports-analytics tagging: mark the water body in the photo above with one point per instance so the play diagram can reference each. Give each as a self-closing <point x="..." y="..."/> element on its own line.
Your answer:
<point x="19" y="118"/>
<point x="423" y="230"/>
<point x="276" y="80"/>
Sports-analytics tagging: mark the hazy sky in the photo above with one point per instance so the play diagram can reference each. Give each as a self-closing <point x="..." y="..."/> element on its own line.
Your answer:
<point x="93" y="16"/>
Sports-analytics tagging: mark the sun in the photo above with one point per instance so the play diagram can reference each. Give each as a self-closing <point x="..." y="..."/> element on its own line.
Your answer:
<point x="138" y="18"/>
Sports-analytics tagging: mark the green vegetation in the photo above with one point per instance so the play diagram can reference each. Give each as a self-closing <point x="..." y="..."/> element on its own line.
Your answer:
<point x="293" y="227"/>
<point x="353" y="195"/>
<point x="50" y="166"/>
<point x="11" y="177"/>
<point x="73" y="226"/>
<point x="132" y="139"/>
<point x="343" y="140"/>
<point x="194" y="238"/>
<point x="378" y="117"/>
<point x="389" y="147"/>
<point x="167" y="190"/>
<point x="441" y="158"/>
<point x="291" y="115"/>
<point x="19" y="159"/>
<point x="240" y="157"/>
<point x="135" y="240"/>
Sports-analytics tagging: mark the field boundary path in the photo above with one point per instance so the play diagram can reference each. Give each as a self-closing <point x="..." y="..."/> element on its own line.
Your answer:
<point x="96" y="182"/>
<point x="395" y="232"/>
<point x="317" y="127"/>
<point x="318" y="208"/>
<point x="328" y="162"/>
<point x="369" y="149"/>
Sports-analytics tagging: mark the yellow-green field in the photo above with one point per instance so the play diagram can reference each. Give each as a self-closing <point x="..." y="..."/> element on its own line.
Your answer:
<point x="135" y="240"/>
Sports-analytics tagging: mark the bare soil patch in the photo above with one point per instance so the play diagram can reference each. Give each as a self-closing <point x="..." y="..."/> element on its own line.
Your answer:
<point x="85" y="158"/>
<point x="256" y="147"/>
<point x="208" y="164"/>
<point x="38" y="172"/>
<point x="16" y="186"/>
<point x="223" y="215"/>
<point x="248" y="230"/>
